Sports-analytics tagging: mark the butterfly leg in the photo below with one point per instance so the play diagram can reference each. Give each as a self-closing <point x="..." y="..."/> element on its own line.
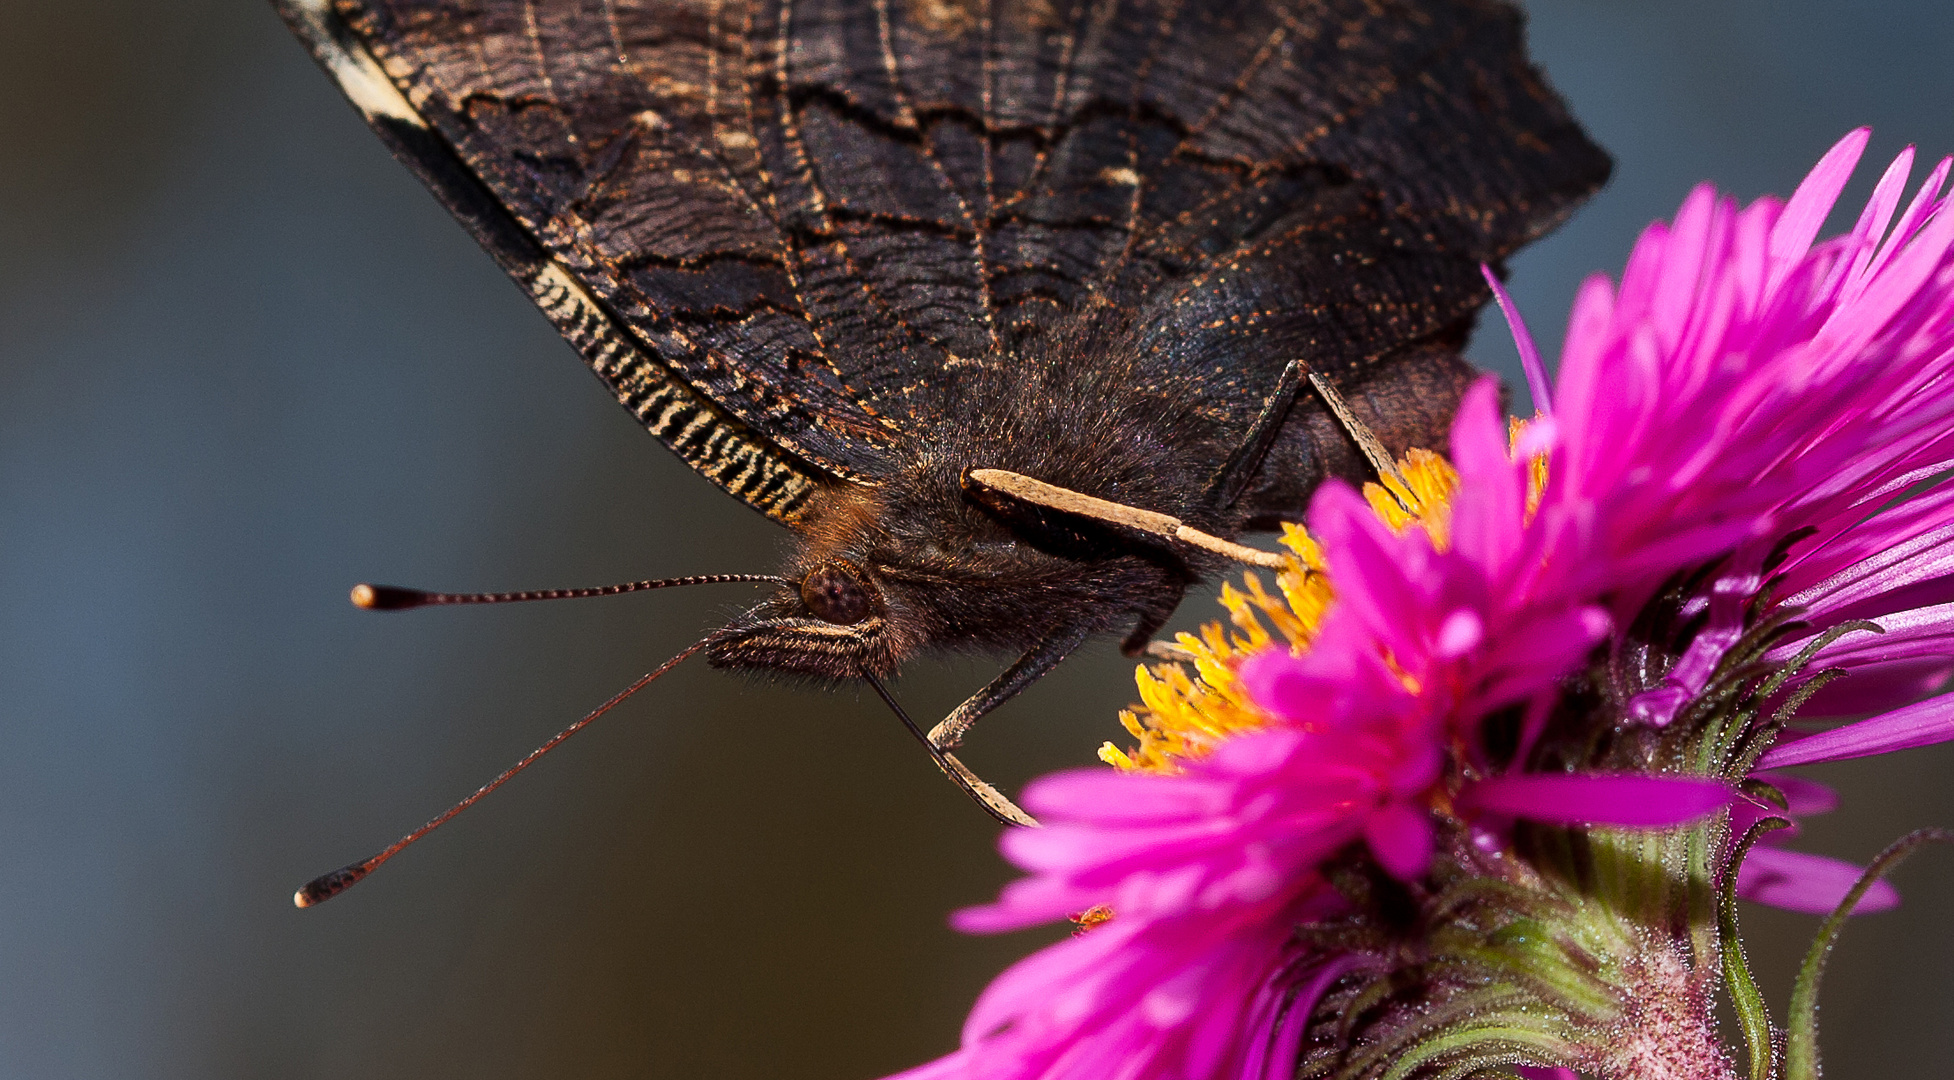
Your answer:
<point x="1169" y="652"/>
<point x="994" y="802"/>
<point x="1232" y="479"/>
<point x="1029" y="668"/>
<point x="1140" y="641"/>
<point x="949" y="734"/>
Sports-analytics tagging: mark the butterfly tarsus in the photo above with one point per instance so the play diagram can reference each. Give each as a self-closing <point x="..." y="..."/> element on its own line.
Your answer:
<point x="1140" y="640"/>
<point x="1029" y="668"/>
<point x="994" y="802"/>
<point x="1226" y="489"/>
<point x="1168" y="652"/>
<point x="1360" y="432"/>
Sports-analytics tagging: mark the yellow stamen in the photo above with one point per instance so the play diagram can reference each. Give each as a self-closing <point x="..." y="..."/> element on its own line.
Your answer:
<point x="1183" y="716"/>
<point x="1536" y="465"/>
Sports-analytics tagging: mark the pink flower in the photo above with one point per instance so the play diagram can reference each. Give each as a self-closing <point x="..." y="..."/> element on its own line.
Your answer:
<point x="1746" y="393"/>
<point x="1810" y="385"/>
<point x="1423" y="643"/>
<point x="1747" y="404"/>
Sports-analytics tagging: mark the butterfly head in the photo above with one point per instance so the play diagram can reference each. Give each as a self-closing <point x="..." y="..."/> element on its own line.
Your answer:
<point x="885" y="574"/>
<point x="832" y="623"/>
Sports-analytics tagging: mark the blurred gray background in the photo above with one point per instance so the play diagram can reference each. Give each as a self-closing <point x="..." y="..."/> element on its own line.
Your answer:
<point x="245" y="361"/>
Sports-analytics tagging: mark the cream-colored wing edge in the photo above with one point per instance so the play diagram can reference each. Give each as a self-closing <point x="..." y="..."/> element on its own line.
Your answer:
<point x="704" y="436"/>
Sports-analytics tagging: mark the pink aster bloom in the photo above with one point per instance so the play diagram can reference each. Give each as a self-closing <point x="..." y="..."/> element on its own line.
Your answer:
<point x="1746" y="400"/>
<point x="1748" y="393"/>
<point x="1751" y="395"/>
<point x="1422" y="643"/>
<point x="1210" y="870"/>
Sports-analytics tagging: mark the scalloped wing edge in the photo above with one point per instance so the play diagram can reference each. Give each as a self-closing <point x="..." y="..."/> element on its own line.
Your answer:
<point x="703" y="435"/>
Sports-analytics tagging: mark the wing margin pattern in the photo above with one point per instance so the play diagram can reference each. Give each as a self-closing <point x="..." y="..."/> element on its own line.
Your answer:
<point x="703" y="435"/>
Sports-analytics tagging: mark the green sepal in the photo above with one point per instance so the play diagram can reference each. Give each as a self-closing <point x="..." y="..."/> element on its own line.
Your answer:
<point x="1801" y="1043"/>
<point x="1753" y="1016"/>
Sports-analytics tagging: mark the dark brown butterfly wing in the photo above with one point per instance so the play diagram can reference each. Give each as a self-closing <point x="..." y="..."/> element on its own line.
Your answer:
<point x="701" y="431"/>
<point x="806" y="213"/>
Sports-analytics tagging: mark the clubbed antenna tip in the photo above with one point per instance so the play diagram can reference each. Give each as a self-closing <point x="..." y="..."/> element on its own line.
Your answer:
<point x="326" y="886"/>
<point x="386" y="598"/>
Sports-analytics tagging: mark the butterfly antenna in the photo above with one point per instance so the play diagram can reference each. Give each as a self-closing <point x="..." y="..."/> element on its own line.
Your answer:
<point x="326" y="886"/>
<point x="395" y="598"/>
<point x="994" y="802"/>
<point x="1366" y="439"/>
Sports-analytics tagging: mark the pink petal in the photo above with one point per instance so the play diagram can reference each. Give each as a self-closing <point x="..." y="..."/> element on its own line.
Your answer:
<point x="1530" y="362"/>
<point x="1898" y="285"/>
<point x="1922" y="724"/>
<point x="1685" y="267"/>
<point x="1916" y="560"/>
<point x="1909" y="634"/>
<point x="1877" y="688"/>
<point x="1492" y="501"/>
<point x="1798" y="881"/>
<point x="1105" y="796"/>
<point x="1871" y="228"/>
<point x="1628" y="800"/>
<point x="1401" y="838"/>
<point x="1460" y="633"/>
<point x="1274" y="1058"/>
<point x="1274" y="680"/>
<point x="1916" y="212"/>
<point x="1808" y="207"/>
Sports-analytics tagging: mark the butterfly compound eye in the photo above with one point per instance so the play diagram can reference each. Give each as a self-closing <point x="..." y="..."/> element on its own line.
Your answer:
<point x="834" y="594"/>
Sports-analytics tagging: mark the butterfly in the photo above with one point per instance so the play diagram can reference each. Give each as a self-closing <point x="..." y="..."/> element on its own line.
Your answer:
<point x="1016" y="312"/>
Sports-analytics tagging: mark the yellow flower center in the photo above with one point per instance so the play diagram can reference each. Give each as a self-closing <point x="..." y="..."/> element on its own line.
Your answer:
<point x="1425" y="496"/>
<point x="1189" y="707"/>
<point x="1181" y="716"/>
